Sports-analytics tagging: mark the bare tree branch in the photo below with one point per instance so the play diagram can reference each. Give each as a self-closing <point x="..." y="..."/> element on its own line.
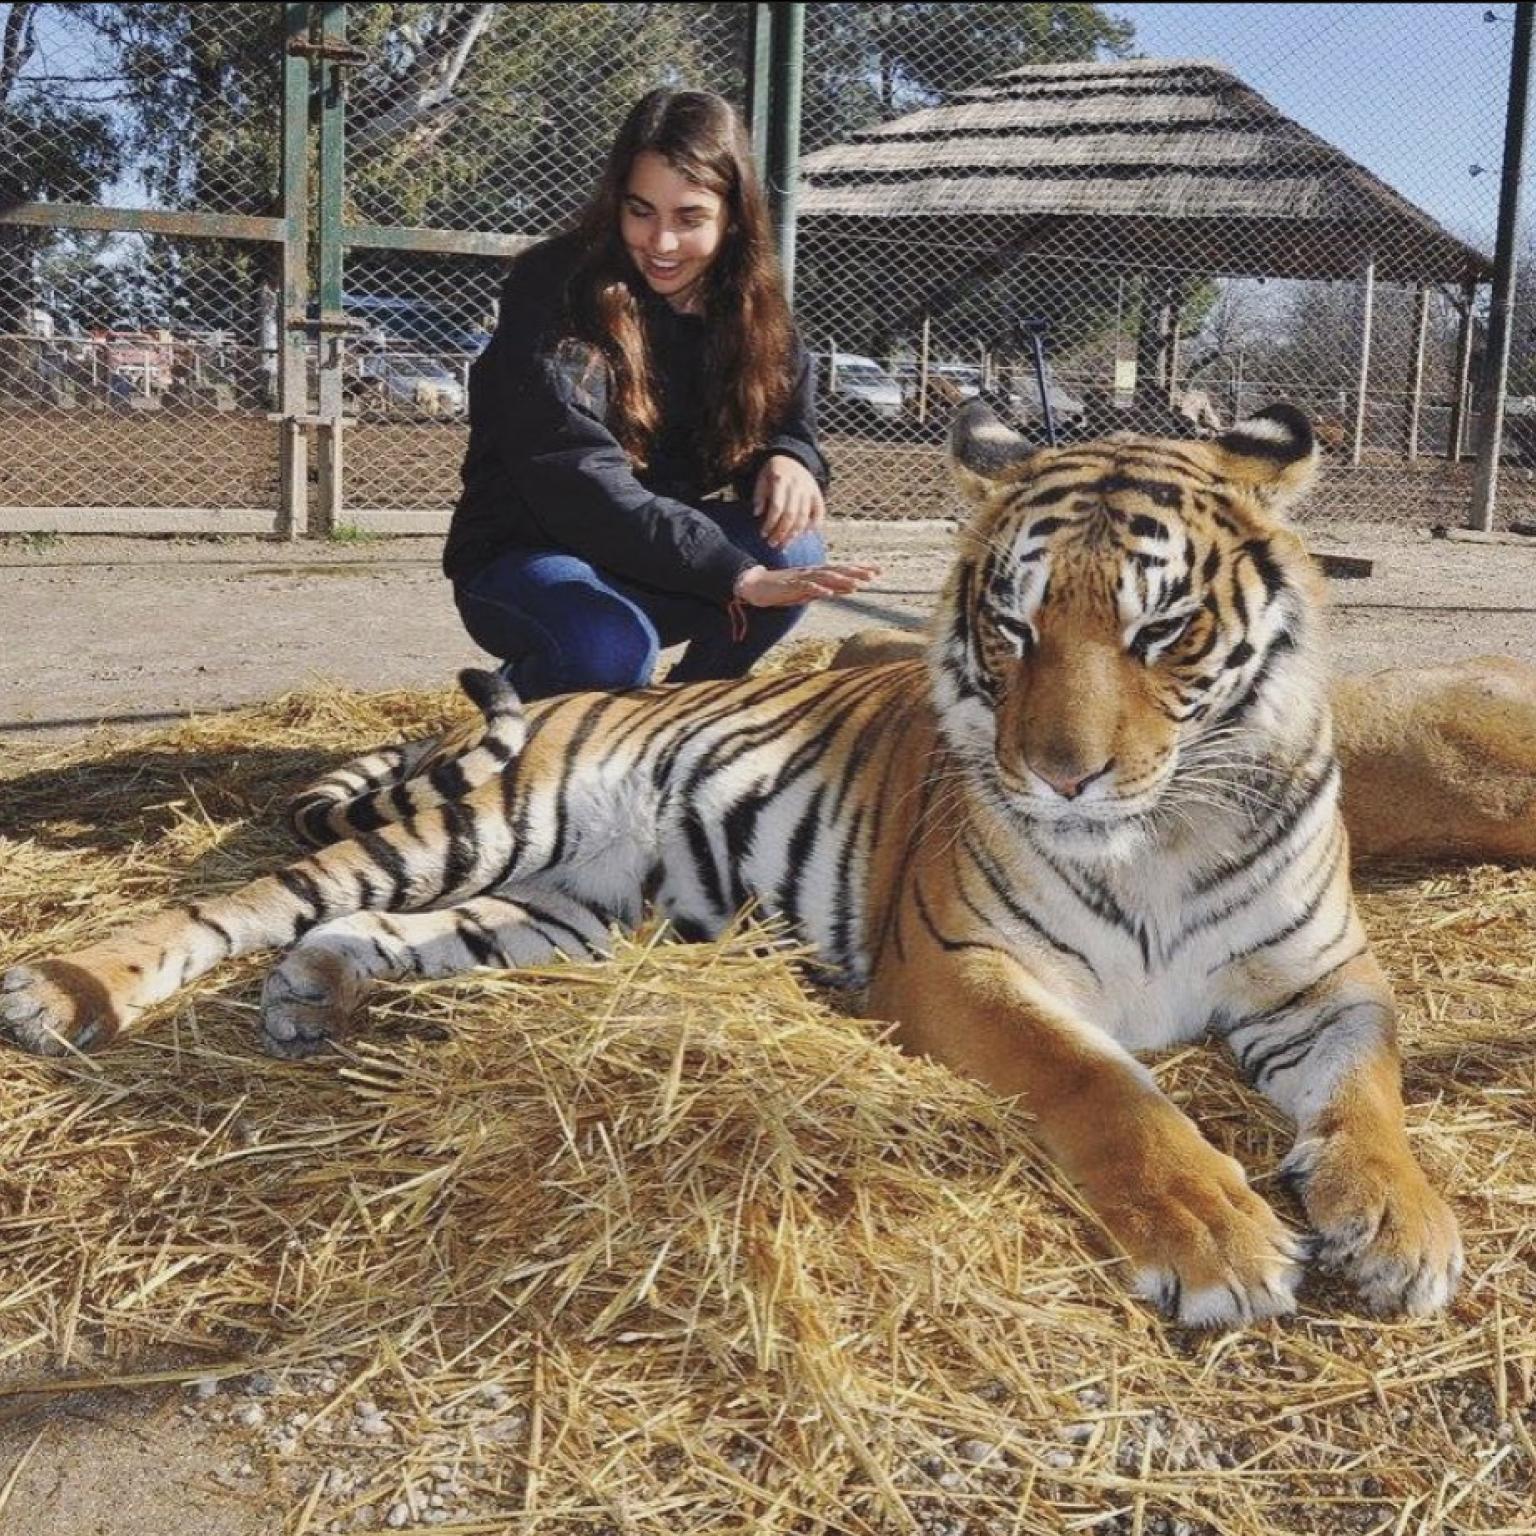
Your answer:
<point x="19" y="45"/>
<point x="425" y="103"/>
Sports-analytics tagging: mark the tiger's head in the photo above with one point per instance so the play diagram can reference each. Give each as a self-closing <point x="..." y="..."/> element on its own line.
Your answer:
<point x="1125" y="618"/>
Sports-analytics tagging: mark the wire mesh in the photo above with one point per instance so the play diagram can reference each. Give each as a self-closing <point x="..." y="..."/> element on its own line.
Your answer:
<point x="159" y="106"/>
<point x="1195" y="202"/>
<point x="420" y="321"/>
<point x="1274" y="202"/>
<point x="499" y="117"/>
<point x="141" y="375"/>
<point x="136" y="369"/>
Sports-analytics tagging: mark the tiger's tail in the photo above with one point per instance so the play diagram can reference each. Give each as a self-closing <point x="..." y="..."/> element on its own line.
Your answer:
<point x="401" y="781"/>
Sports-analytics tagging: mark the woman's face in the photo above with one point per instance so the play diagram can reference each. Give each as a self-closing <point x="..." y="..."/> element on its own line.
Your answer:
<point x="672" y="228"/>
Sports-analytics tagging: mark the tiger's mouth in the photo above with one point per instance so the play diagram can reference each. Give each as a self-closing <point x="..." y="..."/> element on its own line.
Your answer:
<point x="1103" y="800"/>
<point x="1106" y="838"/>
<point x="1108" y="823"/>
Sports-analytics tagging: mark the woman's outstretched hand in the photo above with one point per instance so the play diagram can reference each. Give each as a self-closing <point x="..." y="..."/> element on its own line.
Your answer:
<point x="758" y="587"/>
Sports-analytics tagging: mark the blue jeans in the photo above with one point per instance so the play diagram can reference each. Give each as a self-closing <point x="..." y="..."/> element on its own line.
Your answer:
<point x="563" y="625"/>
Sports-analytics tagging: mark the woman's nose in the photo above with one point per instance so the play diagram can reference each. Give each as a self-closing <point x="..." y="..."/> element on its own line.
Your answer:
<point x="666" y="240"/>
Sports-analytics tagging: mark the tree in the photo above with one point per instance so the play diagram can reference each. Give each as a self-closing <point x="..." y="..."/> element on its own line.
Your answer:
<point x="54" y="144"/>
<point x="867" y="64"/>
<point x="499" y="117"/>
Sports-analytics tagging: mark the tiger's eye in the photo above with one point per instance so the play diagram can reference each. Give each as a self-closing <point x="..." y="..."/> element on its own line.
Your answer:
<point x="1017" y="630"/>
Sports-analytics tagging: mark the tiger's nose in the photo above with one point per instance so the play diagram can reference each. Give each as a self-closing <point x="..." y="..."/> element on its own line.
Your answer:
<point x="1067" y="782"/>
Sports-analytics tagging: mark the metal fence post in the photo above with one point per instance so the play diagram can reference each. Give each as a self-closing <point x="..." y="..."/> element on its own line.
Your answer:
<point x="1460" y="404"/>
<point x="292" y="361"/>
<point x="1416" y="376"/>
<point x="333" y="323"/>
<point x="1505" y="261"/>
<point x="1363" y="373"/>
<point x="784" y="131"/>
<point x="759" y="72"/>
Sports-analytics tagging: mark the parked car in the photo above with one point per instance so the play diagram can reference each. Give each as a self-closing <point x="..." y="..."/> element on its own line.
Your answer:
<point x="413" y="382"/>
<point x="414" y="325"/>
<point x="851" y="377"/>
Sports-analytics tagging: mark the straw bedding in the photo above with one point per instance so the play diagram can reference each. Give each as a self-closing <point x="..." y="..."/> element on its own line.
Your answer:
<point x="673" y="1243"/>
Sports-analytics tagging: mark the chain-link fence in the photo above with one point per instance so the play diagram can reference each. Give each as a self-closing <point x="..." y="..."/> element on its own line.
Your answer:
<point x="1193" y="210"/>
<point x="138" y="352"/>
<point x="1278" y="202"/>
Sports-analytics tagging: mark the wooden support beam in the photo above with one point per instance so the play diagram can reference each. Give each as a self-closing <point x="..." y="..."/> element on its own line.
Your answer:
<point x="1367" y="316"/>
<point x="1416" y="376"/>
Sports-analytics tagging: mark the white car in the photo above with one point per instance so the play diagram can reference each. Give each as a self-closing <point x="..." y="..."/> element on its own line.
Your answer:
<point x="412" y="381"/>
<point x="853" y="377"/>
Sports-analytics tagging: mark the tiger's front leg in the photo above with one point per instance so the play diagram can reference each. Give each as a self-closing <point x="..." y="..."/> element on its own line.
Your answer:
<point x="82" y="1000"/>
<point x="1327" y="1057"/>
<point x="1203" y="1245"/>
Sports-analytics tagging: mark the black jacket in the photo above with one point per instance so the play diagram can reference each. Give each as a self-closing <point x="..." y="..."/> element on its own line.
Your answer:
<point x="544" y="471"/>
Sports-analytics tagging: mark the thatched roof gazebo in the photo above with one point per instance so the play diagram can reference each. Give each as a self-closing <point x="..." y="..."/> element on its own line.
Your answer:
<point x="1170" y="169"/>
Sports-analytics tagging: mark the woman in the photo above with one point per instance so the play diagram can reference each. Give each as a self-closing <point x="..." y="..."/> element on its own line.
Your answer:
<point x="642" y="364"/>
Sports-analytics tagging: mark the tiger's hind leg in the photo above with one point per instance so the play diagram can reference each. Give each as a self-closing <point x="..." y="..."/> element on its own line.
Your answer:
<point x="435" y="860"/>
<point x="322" y="981"/>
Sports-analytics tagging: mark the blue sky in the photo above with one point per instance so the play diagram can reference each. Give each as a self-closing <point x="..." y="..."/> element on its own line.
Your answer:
<point x="1416" y="93"/>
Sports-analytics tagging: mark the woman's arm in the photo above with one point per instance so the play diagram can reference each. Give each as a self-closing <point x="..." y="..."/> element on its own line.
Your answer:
<point x="796" y="436"/>
<point x="543" y="406"/>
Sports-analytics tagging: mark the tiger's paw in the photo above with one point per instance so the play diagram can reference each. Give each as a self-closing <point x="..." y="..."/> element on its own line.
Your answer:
<point x="305" y="1002"/>
<point x="1379" y="1224"/>
<point x="54" y="1006"/>
<point x="1208" y="1251"/>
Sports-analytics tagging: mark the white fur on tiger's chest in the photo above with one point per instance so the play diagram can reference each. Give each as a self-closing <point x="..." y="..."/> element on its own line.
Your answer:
<point x="1162" y="967"/>
<point x="1147" y="1008"/>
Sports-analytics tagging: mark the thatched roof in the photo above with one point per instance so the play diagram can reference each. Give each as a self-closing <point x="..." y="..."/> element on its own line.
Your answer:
<point x="1152" y="162"/>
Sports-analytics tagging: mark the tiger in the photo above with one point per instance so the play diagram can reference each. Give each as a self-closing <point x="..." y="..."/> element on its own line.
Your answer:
<point x="1098" y="818"/>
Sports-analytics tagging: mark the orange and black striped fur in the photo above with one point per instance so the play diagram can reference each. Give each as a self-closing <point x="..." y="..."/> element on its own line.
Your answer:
<point x="1099" y="818"/>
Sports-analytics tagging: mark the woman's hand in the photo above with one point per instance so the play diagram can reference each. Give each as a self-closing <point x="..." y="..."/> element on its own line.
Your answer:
<point x="758" y="587"/>
<point x="787" y="499"/>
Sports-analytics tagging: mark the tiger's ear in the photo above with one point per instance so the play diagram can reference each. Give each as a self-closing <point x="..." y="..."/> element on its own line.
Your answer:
<point x="1274" y="453"/>
<point x="984" y="453"/>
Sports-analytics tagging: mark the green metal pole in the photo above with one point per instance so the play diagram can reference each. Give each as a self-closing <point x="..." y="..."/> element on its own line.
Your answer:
<point x="291" y="361"/>
<point x="788" y="73"/>
<point x="1505" y="263"/>
<point x="332" y="342"/>
<point x="759" y="80"/>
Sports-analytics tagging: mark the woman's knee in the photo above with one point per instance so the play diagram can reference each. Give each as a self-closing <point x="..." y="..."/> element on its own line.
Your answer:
<point x="805" y="549"/>
<point x="604" y="646"/>
<point x="561" y="628"/>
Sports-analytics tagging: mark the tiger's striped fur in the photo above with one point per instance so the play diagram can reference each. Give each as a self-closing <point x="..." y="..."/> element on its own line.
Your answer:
<point x="1100" y="818"/>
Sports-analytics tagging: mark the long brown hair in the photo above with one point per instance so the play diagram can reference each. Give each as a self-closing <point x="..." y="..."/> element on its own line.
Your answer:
<point x="748" y="335"/>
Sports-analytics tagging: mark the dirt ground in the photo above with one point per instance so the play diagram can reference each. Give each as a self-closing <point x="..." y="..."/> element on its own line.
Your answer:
<point x="128" y="634"/>
<point x="132" y="632"/>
